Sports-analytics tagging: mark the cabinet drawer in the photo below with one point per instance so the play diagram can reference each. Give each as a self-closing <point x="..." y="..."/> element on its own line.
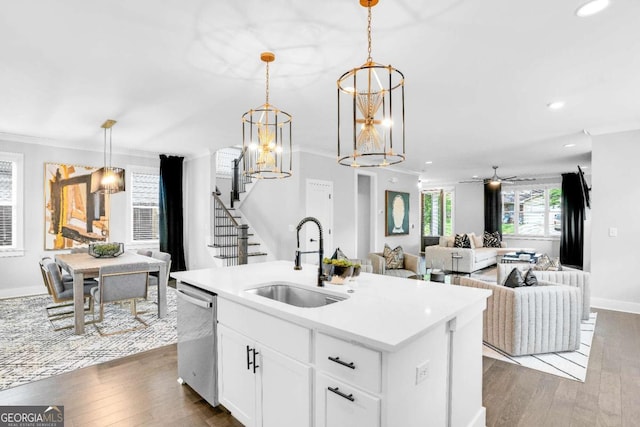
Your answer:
<point x="353" y="363"/>
<point x="283" y="336"/>
<point x="338" y="404"/>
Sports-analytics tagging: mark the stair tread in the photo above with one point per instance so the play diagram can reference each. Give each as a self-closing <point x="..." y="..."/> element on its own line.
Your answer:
<point x="233" y="256"/>
<point x="232" y="246"/>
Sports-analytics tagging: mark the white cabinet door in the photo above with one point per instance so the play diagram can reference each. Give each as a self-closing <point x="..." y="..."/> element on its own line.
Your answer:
<point x="236" y="380"/>
<point x="285" y="390"/>
<point x="341" y="405"/>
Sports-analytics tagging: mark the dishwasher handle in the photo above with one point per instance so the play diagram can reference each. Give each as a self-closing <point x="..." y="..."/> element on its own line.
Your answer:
<point x="196" y="301"/>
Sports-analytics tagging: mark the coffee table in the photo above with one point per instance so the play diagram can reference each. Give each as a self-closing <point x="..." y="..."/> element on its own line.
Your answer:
<point x="514" y="257"/>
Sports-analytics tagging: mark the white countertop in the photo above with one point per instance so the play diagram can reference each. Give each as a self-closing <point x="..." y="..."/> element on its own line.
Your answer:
<point x="384" y="312"/>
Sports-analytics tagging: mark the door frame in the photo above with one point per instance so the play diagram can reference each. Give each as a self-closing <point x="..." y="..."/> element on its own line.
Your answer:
<point x="373" y="209"/>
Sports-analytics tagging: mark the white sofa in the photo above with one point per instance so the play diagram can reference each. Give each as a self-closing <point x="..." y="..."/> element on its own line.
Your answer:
<point x="439" y="256"/>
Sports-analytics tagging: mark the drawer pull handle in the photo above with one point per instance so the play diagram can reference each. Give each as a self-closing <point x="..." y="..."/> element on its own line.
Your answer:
<point x="349" y="365"/>
<point x="341" y="394"/>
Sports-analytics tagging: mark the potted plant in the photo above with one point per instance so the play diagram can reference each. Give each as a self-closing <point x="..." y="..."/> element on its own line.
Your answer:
<point x="342" y="268"/>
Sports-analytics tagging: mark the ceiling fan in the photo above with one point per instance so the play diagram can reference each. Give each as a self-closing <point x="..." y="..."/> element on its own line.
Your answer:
<point x="495" y="179"/>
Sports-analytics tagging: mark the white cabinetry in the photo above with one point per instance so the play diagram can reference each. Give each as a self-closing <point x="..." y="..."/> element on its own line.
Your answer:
<point x="348" y="375"/>
<point x="259" y="385"/>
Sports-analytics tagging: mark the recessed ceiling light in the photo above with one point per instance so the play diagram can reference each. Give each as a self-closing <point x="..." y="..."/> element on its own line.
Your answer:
<point x="591" y="8"/>
<point x="428" y="162"/>
<point x="569" y="145"/>
<point x="474" y="176"/>
<point x="555" y="105"/>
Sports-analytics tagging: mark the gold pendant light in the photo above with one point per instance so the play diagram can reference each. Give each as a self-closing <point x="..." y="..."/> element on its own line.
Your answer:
<point x="266" y="137"/>
<point x="108" y="179"/>
<point x="371" y="112"/>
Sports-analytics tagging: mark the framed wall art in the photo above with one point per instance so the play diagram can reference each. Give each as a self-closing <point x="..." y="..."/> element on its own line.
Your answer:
<point x="73" y="215"/>
<point x="396" y="219"/>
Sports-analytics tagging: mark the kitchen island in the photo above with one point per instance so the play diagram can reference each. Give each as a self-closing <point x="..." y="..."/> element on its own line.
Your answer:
<point x="396" y="352"/>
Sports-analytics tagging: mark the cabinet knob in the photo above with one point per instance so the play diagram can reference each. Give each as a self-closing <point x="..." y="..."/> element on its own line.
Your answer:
<point x="337" y="360"/>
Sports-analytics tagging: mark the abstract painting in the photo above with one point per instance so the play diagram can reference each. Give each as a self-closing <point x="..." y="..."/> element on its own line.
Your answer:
<point x="73" y="215"/>
<point x="396" y="218"/>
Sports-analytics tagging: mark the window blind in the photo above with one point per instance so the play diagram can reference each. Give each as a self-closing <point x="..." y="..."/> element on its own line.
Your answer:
<point x="6" y="203"/>
<point x="144" y="205"/>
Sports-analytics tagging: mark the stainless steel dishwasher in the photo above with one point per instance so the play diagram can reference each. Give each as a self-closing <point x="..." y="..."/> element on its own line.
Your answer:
<point x="197" y="347"/>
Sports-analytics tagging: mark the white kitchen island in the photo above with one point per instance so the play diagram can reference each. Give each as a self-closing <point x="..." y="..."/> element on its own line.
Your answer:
<point x="397" y="352"/>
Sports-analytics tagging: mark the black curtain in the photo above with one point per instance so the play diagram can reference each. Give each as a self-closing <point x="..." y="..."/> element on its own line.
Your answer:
<point x="493" y="208"/>
<point x="572" y="234"/>
<point x="171" y="222"/>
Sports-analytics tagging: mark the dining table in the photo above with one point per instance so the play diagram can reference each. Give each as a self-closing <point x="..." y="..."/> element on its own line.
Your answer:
<point x="84" y="266"/>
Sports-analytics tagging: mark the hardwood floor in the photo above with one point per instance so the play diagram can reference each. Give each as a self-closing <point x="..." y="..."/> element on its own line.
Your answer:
<point x="142" y="390"/>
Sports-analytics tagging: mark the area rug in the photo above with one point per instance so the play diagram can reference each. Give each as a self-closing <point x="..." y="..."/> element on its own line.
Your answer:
<point x="31" y="350"/>
<point x="569" y="364"/>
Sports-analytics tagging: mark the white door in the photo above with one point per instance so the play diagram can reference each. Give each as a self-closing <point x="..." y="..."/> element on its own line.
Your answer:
<point x="319" y="204"/>
<point x="286" y="390"/>
<point x="237" y="382"/>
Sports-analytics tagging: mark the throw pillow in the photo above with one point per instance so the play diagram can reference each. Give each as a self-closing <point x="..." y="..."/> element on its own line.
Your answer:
<point x="472" y="240"/>
<point x="530" y="279"/>
<point x="338" y="254"/>
<point x="394" y="258"/>
<point x="555" y="265"/>
<point x="477" y="240"/>
<point x="543" y="263"/>
<point x="462" y="241"/>
<point x="514" y="279"/>
<point x="491" y="240"/>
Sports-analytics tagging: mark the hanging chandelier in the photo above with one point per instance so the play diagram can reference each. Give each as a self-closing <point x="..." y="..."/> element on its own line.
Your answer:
<point x="371" y="112"/>
<point x="108" y="179"/>
<point x="266" y="137"/>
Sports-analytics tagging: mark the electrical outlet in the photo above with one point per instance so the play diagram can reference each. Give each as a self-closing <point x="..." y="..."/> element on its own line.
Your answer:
<point x="422" y="372"/>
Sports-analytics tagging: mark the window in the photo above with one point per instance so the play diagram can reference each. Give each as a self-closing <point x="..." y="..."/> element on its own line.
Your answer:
<point x="145" y="190"/>
<point x="531" y="212"/>
<point x="10" y="204"/>
<point x="437" y="212"/>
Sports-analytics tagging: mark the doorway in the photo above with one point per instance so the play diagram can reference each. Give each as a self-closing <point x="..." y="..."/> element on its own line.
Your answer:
<point x="319" y="204"/>
<point x="365" y="214"/>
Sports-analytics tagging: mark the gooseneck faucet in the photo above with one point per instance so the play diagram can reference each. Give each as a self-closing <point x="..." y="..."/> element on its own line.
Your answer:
<point x="320" y="251"/>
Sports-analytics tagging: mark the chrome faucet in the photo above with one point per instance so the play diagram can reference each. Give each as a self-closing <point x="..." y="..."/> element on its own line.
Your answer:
<point x="320" y="251"/>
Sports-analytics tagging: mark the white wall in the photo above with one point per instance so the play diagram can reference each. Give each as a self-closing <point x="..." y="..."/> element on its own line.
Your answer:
<point x="199" y="183"/>
<point x="21" y="275"/>
<point x="469" y="209"/>
<point x="615" y="204"/>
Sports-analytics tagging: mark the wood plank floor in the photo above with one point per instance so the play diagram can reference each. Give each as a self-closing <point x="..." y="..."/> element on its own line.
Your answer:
<point x="142" y="390"/>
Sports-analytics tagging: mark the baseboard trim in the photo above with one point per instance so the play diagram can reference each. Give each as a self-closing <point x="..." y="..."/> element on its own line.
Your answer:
<point x="20" y="292"/>
<point x="615" y="305"/>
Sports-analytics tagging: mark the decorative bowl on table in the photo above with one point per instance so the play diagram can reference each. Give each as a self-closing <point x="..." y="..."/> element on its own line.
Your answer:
<point x="106" y="250"/>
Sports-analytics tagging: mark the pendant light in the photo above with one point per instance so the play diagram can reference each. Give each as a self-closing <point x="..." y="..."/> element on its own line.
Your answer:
<point x="371" y="112"/>
<point x="108" y="179"/>
<point x="266" y="137"/>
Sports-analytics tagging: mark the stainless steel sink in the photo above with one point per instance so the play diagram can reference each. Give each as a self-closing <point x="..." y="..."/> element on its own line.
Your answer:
<point x="295" y="295"/>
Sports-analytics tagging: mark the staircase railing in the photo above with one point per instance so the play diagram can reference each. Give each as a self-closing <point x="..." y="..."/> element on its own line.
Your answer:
<point x="229" y="236"/>
<point x="238" y="180"/>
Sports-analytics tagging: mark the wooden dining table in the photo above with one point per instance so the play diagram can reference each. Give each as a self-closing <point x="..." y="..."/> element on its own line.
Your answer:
<point x="84" y="266"/>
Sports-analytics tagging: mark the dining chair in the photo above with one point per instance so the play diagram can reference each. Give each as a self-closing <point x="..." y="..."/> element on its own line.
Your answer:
<point x="154" y="276"/>
<point x="145" y="252"/>
<point x="124" y="282"/>
<point x="62" y="292"/>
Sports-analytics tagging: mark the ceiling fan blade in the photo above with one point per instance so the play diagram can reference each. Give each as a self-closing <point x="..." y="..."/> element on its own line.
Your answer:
<point x="523" y="179"/>
<point x="472" y="181"/>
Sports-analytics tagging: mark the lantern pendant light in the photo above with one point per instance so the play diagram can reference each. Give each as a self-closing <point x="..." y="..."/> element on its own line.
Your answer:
<point x="371" y="112"/>
<point x="266" y="137"/>
<point x="108" y="179"/>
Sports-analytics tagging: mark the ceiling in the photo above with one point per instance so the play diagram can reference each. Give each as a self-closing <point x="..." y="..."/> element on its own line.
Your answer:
<point x="177" y="75"/>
